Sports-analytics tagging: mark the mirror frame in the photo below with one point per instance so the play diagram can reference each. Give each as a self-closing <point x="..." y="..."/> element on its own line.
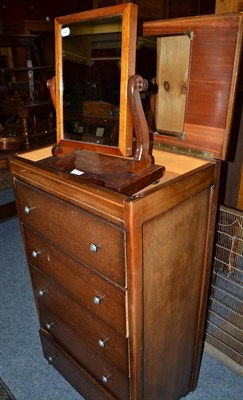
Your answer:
<point x="128" y="13"/>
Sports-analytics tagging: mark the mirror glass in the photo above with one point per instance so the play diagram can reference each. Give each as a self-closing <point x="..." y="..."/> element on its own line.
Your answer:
<point x="91" y="53"/>
<point x="95" y="58"/>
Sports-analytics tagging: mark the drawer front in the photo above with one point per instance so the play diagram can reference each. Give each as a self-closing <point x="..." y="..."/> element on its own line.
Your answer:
<point x="84" y="383"/>
<point x="57" y="311"/>
<point x="92" y="240"/>
<point x="95" y="293"/>
<point x="92" y="361"/>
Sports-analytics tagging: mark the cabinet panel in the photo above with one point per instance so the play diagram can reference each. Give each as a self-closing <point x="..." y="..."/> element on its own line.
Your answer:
<point x="172" y="294"/>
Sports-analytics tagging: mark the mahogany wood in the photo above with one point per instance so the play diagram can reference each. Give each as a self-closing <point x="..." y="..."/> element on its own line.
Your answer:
<point x="83" y="328"/>
<point x="123" y="175"/>
<point x="215" y="57"/>
<point x="151" y="251"/>
<point x="51" y="85"/>
<point x="114" y="352"/>
<point x="182" y="266"/>
<point x="132" y="229"/>
<point x="128" y="12"/>
<point x="80" y="281"/>
<point x="142" y="158"/>
<point x="75" y="374"/>
<point x="51" y="215"/>
<point x="114" y="173"/>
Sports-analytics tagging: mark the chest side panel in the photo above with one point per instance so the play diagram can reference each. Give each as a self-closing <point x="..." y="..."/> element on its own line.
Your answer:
<point x="174" y="257"/>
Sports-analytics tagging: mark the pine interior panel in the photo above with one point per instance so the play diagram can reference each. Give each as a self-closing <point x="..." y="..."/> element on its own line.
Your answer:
<point x="172" y="80"/>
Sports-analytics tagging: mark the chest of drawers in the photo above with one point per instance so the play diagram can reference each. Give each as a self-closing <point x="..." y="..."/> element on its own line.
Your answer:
<point x="120" y="282"/>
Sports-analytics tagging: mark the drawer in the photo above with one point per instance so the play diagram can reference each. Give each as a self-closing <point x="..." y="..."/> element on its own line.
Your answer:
<point x="89" y="238"/>
<point x="78" y="280"/>
<point x="84" y="383"/>
<point x="91" y="360"/>
<point x="58" y="311"/>
<point x="112" y="350"/>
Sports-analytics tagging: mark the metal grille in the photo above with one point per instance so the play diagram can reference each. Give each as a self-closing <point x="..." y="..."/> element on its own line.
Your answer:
<point x="225" y="318"/>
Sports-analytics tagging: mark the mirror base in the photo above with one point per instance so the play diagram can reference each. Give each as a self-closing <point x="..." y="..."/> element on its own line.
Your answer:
<point x="105" y="170"/>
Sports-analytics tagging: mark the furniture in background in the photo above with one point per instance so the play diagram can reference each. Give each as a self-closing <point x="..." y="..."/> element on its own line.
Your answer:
<point x="44" y="29"/>
<point x="37" y="118"/>
<point x="164" y="9"/>
<point x="97" y="123"/>
<point x="24" y="74"/>
<point x="27" y="115"/>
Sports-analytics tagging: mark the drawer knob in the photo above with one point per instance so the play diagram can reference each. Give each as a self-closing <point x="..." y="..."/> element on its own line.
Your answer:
<point x="49" y="325"/>
<point x="97" y="299"/>
<point x="51" y="358"/>
<point x="42" y="292"/>
<point x="102" y="342"/>
<point x="27" y="210"/>
<point x="93" y="247"/>
<point x="105" y="378"/>
<point x="35" y="253"/>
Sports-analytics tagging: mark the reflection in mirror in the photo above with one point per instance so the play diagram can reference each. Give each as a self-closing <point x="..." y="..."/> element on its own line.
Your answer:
<point x="91" y="53"/>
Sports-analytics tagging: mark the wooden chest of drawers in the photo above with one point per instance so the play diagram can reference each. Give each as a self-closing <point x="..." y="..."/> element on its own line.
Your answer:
<point x="120" y="282"/>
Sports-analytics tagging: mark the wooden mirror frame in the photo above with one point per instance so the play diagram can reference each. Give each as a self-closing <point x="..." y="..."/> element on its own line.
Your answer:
<point x="128" y="13"/>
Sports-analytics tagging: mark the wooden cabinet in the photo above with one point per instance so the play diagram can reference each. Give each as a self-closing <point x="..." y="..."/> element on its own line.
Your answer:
<point x="27" y="55"/>
<point x="120" y="282"/>
<point x="24" y="94"/>
<point x="43" y="31"/>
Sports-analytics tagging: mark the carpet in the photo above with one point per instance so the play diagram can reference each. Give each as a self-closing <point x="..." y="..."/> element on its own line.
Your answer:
<point x="5" y="393"/>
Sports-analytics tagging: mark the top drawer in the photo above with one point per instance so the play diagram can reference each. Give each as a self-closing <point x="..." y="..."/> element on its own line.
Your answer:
<point x="94" y="241"/>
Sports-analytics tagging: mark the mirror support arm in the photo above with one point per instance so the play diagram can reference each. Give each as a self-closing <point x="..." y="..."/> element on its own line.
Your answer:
<point x="51" y="85"/>
<point x="142" y="158"/>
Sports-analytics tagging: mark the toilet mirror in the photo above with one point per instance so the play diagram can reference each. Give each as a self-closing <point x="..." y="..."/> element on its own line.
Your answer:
<point x="95" y="56"/>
